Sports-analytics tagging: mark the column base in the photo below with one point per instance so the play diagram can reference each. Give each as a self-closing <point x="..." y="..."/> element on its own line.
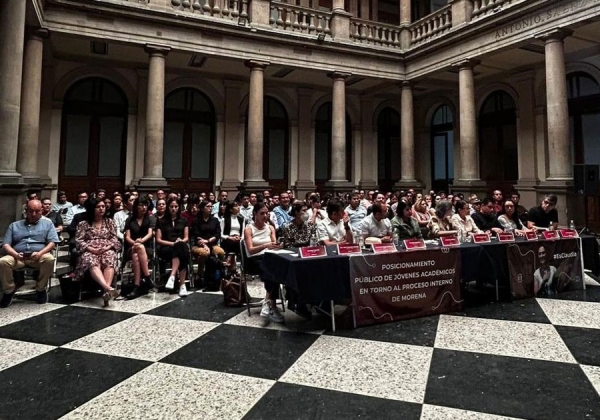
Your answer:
<point x="406" y="184"/>
<point x="151" y="184"/>
<point x="471" y="186"/>
<point x="302" y="187"/>
<point x="11" y="203"/>
<point x="258" y="185"/>
<point x="230" y="185"/>
<point x="10" y="177"/>
<point x="367" y="184"/>
<point x="340" y="185"/>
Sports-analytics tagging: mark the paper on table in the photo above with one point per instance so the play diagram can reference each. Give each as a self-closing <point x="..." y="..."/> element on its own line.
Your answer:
<point x="280" y="251"/>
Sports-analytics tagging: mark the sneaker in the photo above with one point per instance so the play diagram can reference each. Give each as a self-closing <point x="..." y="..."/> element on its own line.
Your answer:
<point x="6" y="300"/>
<point x="170" y="283"/>
<point x="183" y="291"/>
<point x="42" y="297"/>
<point x="266" y="309"/>
<point x="275" y="315"/>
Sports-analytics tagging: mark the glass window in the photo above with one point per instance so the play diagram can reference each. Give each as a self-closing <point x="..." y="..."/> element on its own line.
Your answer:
<point x="442" y="149"/>
<point x="173" y="149"/>
<point x="201" y="150"/>
<point x="77" y="143"/>
<point x="388" y="148"/>
<point x="111" y="139"/>
<point x="580" y="85"/>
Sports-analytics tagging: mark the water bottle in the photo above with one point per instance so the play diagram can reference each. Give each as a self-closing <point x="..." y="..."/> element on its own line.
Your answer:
<point x="551" y="227"/>
<point x="396" y="239"/>
<point x="313" y="240"/>
<point x="572" y="225"/>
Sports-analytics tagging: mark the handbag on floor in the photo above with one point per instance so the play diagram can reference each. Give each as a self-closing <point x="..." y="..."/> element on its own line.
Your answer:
<point x="234" y="290"/>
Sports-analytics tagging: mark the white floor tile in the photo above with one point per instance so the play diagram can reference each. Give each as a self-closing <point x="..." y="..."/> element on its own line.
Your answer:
<point x="22" y="309"/>
<point x="163" y="391"/>
<point x="385" y="370"/>
<point x="593" y="374"/>
<point x="137" y="306"/>
<point x="571" y="313"/>
<point x="504" y="338"/>
<point x="15" y="352"/>
<point x="435" y="412"/>
<point x="143" y="337"/>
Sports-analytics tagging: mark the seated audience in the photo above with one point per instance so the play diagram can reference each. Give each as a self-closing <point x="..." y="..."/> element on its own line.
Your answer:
<point x="336" y="228"/>
<point x="404" y="224"/>
<point x="139" y="229"/>
<point x="497" y="200"/>
<point x="78" y="208"/>
<point x="160" y="209"/>
<point x="205" y="233"/>
<point x="246" y="208"/>
<point x="121" y="217"/>
<point x="376" y="227"/>
<point x="462" y="220"/>
<point x="515" y="197"/>
<point x="191" y="211"/>
<point x="315" y="208"/>
<point x="545" y="215"/>
<point x="259" y="237"/>
<point x="440" y="224"/>
<point x="97" y="246"/>
<point x="54" y="217"/>
<point x="62" y="205"/>
<point x="232" y="228"/>
<point x="282" y="211"/>
<point x="509" y="219"/>
<point x="356" y="212"/>
<point x="420" y="213"/>
<point x="172" y="235"/>
<point x="486" y="219"/>
<point x="298" y="232"/>
<point x="28" y="242"/>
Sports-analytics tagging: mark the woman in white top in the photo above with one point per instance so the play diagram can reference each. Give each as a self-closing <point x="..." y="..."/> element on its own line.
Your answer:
<point x="232" y="226"/>
<point x="259" y="237"/>
<point x="462" y="220"/>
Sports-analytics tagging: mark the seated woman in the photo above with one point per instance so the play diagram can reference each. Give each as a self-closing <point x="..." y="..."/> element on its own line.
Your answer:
<point x="420" y="213"/>
<point x="297" y="233"/>
<point x="258" y="237"/>
<point x="97" y="246"/>
<point x="205" y="232"/>
<point x="117" y="204"/>
<point x="462" y="220"/>
<point x="404" y="224"/>
<point x="191" y="211"/>
<point x="315" y="209"/>
<point x="160" y="209"/>
<point x="139" y="228"/>
<point x="440" y="224"/>
<point x="172" y="235"/>
<point x="232" y="228"/>
<point x="509" y="220"/>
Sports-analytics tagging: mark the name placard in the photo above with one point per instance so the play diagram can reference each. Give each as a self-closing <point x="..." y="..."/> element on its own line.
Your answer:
<point x="414" y="244"/>
<point x="568" y="233"/>
<point x="550" y="235"/>
<point x="344" y="249"/>
<point x="449" y="240"/>
<point x="531" y="236"/>
<point x="383" y="248"/>
<point x="506" y="237"/>
<point x="313" y="251"/>
<point x="481" y="238"/>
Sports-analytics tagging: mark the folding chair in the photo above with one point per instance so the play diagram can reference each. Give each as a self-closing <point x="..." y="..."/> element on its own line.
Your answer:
<point x="28" y="273"/>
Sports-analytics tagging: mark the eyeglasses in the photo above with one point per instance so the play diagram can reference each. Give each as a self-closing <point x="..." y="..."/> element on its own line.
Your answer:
<point x="549" y="203"/>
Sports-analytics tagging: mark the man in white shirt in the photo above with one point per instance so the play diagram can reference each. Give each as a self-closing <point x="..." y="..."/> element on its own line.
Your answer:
<point x="120" y="217"/>
<point x="221" y="201"/>
<point x="377" y="228"/>
<point x="79" y="208"/>
<point x="356" y="212"/>
<point x="245" y="208"/>
<point x="335" y="229"/>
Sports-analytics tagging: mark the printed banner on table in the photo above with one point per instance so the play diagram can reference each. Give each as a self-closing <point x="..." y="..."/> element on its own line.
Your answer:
<point x="390" y="287"/>
<point x="544" y="268"/>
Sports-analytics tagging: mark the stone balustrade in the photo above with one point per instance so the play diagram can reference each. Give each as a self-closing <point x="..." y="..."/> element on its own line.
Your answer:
<point x="292" y="18"/>
<point x="233" y="10"/>
<point x="369" y="32"/>
<point x="483" y="8"/>
<point x="431" y="26"/>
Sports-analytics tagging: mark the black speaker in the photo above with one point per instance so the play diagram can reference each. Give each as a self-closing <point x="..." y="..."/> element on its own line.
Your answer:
<point x="586" y="179"/>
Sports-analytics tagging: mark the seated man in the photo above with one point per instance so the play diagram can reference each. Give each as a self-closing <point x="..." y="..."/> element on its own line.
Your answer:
<point x="335" y="229"/>
<point x="376" y="227"/>
<point x="54" y="217"/>
<point x="486" y="218"/>
<point x="356" y="212"/>
<point x="28" y="242"/>
<point x="545" y="215"/>
<point x="73" y="210"/>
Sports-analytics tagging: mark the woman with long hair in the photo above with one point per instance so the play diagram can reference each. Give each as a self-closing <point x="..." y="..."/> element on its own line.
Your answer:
<point x="97" y="245"/>
<point x="462" y="220"/>
<point x="161" y="209"/>
<point x="440" y="224"/>
<point x="172" y="235"/>
<point x="258" y="238"/>
<point x="205" y="232"/>
<point x="403" y="223"/>
<point x="232" y="227"/>
<point x="509" y="219"/>
<point x="139" y="229"/>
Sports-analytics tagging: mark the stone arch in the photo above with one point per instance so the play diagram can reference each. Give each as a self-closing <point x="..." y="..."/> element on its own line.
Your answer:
<point x="382" y="105"/>
<point x="351" y="110"/>
<point x="215" y="96"/>
<point x="485" y="92"/>
<point x="290" y="105"/>
<point x="433" y="107"/>
<point x="80" y="73"/>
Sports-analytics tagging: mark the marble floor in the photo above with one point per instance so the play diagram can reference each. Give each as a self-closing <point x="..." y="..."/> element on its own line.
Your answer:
<point x="163" y="357"/>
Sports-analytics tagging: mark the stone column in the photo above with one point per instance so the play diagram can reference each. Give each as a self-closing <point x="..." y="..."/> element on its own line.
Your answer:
<point x="469" y="170"/>
<point x="306" y="146"/>
<point x="407" y="134"/>
<point x="338" y="133"/>
<point x="155" y="119"/>
<point x="29" y="123"/>
<point x="254" y="146"/>
<point x="405" y="21"/>
<point x="12" y="33"/>
<point x="368" y="172"/>
<point x="559" y="151"/>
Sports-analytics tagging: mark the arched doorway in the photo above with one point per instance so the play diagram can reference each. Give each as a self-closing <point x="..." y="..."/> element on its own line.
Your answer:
<point x="388" y="149"/>
<point x="93" y="137"/>
<point x="583" y="93"/>
<point x="189" y="141"/>
<point x="442" y="149"/>
<point x="323" y="126"/>
<point x="498" y="154"/>
<point x="275" y="144"/>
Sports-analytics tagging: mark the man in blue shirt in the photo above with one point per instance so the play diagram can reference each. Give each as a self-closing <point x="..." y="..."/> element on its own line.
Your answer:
<point x="282" y="211"/>
<point x="28" y="242"/>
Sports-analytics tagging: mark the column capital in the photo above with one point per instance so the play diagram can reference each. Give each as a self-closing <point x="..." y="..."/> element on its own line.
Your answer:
<point x="468" y="63"/>
<point x="37" y="33"/>
<point x="407" y="84"/>
<point x="256" y="64"/>
<point x="337" y="75"/>
<point x="157" y="50"/>
<point x="555" y="35"/>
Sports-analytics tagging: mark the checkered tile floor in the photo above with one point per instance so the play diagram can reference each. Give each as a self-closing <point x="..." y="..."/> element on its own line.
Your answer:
<point x="162" y="357"/>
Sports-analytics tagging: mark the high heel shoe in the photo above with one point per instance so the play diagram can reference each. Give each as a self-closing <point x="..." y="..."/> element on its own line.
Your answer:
<point x="106" y="297"/>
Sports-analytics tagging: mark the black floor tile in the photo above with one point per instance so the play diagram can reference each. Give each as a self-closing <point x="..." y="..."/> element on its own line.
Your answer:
<point x="246" y="351"/>
<point x="526" y="310"/>
<point x="198" y="307"/>
<point x="511" y="386"/>
<point x="289" y="401"/>
<point x="418" y="332"/>
<point x="584" y="343"/>
<point x="591" y="294"/>
<point x="62" y="325"/>
<point x="51" y="385"/>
